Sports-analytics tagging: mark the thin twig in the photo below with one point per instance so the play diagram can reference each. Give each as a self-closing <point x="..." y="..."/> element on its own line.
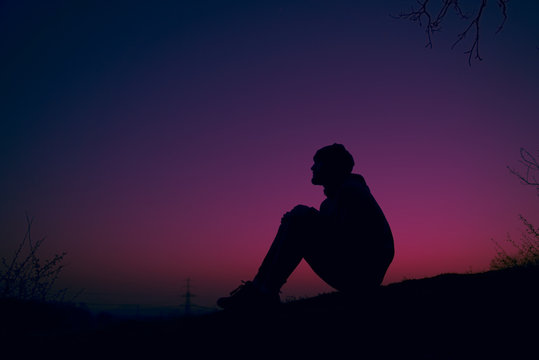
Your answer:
<point x="475" y="44"/>
<point x="502" y="4"/>
<point x="531" y="166"/>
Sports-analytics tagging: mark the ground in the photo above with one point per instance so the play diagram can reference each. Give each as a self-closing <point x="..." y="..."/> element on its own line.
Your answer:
<point x="488" y="315"/>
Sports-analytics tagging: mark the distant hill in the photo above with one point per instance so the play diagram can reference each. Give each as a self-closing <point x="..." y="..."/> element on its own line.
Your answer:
<point x="491" y="315"/>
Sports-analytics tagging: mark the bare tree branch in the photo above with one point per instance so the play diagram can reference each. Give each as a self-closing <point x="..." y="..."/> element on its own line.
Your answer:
<point x="531" y="167"/>
<point x="475" y="44"/>
<point x="417" y="16"/>
<point x="424" y="15"/>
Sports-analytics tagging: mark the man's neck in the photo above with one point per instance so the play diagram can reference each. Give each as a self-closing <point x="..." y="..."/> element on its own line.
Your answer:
<point x="332" y="189"/>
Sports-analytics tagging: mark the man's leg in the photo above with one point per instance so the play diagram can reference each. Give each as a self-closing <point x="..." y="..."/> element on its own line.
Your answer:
<point x="297" y="229"/>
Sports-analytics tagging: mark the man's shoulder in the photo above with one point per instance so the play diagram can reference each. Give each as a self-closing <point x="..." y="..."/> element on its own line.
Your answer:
<point x="355" y="182"/>
<point x="355" y="189"/>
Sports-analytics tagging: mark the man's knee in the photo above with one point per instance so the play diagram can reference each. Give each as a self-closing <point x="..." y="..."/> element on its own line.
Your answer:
<point x="304" y="210"/>
<point x="300" y="213"/>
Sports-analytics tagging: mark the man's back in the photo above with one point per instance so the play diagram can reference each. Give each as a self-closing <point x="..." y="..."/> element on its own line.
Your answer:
<point x="358" y="227"/>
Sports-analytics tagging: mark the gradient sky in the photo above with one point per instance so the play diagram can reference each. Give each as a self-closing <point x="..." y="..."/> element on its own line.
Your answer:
<point x="155" y="142"/>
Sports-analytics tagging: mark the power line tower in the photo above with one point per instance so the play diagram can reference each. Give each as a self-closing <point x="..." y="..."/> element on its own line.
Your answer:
<point x="187" y="295"/>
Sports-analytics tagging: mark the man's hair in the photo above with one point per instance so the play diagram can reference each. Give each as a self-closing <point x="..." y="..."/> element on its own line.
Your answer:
<point x="337" y="157"/>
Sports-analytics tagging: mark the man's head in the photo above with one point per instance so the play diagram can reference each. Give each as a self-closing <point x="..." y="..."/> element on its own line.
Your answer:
<point x="332" y="164"/>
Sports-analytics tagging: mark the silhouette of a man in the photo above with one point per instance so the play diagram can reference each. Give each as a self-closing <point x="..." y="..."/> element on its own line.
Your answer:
<point x="348" y="242"/>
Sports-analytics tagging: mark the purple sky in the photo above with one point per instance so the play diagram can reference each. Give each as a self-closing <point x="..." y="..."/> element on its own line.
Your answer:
<point x="158" y="142"/>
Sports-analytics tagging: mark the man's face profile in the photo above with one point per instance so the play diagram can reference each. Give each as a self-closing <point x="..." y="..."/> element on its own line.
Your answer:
<point x="318" y="177"/>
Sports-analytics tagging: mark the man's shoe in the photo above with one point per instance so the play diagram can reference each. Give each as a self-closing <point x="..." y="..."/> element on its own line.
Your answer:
<point x="248" y="297"/>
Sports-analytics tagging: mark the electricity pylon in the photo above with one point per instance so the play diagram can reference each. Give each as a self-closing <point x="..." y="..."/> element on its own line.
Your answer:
<point x="187" y="296"/>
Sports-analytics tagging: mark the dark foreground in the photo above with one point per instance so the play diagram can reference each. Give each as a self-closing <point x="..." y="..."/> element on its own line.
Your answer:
<point x="491" y="315"/>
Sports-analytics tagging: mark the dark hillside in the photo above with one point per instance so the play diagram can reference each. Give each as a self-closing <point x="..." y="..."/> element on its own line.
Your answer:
<point x="451" y="316"/>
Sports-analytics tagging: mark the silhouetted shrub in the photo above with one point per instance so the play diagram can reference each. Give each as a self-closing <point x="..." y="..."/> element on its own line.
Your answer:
<point x="526" y="251"/>
<point x="28" y="277"/>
